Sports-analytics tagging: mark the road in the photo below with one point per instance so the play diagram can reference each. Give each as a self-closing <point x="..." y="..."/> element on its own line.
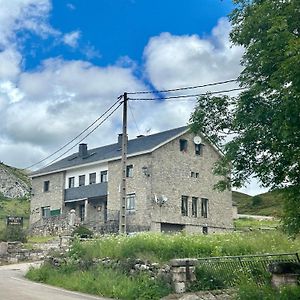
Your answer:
<point x="13" y="286"/>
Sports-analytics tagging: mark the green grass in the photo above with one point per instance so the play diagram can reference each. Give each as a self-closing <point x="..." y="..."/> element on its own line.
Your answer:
<point x="101" y="281"/>
<point x="116" y="283"/>
<point x="14" y="207"/>
<point x="267" y="204"/>
<point x="247" y="223"/>
<point x="162" y="248"/>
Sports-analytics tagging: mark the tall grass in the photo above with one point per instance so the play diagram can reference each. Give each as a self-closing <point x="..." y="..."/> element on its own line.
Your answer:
<point x="161" y="248"/>
<point x="101" y="281"/>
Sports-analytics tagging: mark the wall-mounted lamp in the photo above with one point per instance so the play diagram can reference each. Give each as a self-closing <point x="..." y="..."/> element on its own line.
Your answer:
<point x="145" y="171"/>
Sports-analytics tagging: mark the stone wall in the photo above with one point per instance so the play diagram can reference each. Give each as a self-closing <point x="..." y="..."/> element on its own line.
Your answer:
<point x="14" y="252"/>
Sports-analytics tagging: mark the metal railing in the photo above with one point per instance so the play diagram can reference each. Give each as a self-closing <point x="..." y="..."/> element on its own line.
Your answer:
<point x="229" y="271"/>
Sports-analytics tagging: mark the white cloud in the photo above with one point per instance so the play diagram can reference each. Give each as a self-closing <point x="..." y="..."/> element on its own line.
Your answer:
<point x="71" y="38"/>
<point x="174" y="61"/>
<point x="23" y="15"/>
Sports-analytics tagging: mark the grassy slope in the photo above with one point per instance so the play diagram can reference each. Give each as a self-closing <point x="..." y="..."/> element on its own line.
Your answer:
<point x="15" y="207"/>
<point x="271" y="204"/>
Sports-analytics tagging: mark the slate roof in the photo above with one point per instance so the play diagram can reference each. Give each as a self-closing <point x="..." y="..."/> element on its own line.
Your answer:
<point x="110" y="152"/>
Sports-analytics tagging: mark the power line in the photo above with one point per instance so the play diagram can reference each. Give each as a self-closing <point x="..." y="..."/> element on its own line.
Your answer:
<point x="133" y="118"/>
<point x="54" y="160"/>
<point x="185" y="96"/>
<point x="76" y="137"/>
<point x="183" y="88"/>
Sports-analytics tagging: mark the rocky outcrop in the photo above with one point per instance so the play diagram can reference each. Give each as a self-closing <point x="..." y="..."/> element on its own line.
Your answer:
<point x="13" y="183"/>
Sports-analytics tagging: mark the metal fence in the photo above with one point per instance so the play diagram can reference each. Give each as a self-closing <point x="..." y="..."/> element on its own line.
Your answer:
<point x="229" y="271"/>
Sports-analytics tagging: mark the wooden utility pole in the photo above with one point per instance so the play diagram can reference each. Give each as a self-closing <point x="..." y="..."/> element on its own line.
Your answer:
<point x="123" y="195"/>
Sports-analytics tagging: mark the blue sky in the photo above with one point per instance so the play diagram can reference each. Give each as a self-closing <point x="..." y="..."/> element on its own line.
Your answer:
<point x="117" y="28"/>
<point x="63" y="63"/>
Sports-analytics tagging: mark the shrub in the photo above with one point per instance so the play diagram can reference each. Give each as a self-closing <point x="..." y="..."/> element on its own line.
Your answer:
<point x="82" y="232"/>
<point x="14" y="233"/>
<point x="256" y="201"/>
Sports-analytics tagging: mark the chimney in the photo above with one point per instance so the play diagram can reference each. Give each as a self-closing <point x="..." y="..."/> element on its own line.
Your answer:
<point x="120" y="140"/>
<point x="83" y="150"/>
<point x="120" y="136"/>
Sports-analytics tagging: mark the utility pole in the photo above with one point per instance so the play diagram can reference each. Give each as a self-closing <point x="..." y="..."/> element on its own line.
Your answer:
<point x="123" y="195"/>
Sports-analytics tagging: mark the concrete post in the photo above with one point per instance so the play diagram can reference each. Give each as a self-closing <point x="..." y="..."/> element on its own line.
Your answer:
<point x="182" y="272"/>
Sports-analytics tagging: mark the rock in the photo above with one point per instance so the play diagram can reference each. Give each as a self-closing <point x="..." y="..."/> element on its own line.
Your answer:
<point x="12" y="186"/>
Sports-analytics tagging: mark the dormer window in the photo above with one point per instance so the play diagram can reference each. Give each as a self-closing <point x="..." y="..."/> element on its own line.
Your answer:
<point x="183" y="145"/>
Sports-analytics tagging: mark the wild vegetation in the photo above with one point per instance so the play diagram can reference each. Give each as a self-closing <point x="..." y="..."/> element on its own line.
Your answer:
<point x="119" y="283"/>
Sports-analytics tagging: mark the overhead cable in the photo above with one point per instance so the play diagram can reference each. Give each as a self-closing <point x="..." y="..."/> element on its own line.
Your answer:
<point x="54" y="160"/>
<point x="185" y="96"/>
<point x="183" y="88"/>
<point x="75" y="138"/>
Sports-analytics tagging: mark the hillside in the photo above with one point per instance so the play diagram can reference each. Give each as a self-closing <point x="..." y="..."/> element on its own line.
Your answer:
<point x="14" y="194"/>
<point x="267" y="204"/>
<point x="14" y="183"/>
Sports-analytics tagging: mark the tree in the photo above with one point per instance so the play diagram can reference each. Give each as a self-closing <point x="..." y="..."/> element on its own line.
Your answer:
<point x="263" y="121"/>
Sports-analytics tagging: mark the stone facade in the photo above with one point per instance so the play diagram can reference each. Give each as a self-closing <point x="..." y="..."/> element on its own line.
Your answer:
<point x="54" y="197"/>
<point x="157" y="183"/>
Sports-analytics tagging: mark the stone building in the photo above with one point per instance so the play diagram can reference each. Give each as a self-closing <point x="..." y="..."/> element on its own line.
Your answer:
<point x="169" y="186"/>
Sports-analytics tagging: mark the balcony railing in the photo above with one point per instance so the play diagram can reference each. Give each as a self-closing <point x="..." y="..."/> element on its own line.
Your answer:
<point x="86" y="191"/>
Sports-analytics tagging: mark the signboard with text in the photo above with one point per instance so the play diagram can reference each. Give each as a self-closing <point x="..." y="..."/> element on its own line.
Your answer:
<point x="14" y="220"/>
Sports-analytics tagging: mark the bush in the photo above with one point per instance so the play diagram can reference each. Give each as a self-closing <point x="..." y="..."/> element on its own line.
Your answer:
<point x="82" y="232"/>
<point x="256" y="201"/>
<point x="13" y="233"/>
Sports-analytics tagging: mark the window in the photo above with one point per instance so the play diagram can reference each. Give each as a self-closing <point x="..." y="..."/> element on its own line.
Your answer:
<point x="198" y="149"/>
<point x="71" y="182"/>
<point x="204" y="207"/>
<point x="46" y="211"/>
<point x="103" y="176"/>
<point x="129" y="171"/>
<point x="130" y="202"/>
<point x="81" y="212"/>
<point x="46" y="185"/>
<point x="192" y="174"/>
<point x="81" y="180"/>
<point x="92" y="178"/>
<point x="184" y="205"/>
<point x="205" y="230"/>
<point x="194" y="207"/>
<point x="183" y="145"/>
<point x="195" y="174"/>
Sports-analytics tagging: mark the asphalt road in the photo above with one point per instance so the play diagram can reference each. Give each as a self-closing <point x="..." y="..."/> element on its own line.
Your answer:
<point x="13" y="286"/>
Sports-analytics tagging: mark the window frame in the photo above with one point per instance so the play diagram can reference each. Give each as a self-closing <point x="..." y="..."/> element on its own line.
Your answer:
<point x="104" y="176"/>
<point x="130" y="202"/>
<point x="195" y="201"/>
<point x="71" y="182"/>
<point x="198" y="149"/>
<point x="129" y="171"/>
<point x="184" y="205"/>
<point x="183" y="144"/>
<point x="92" y="176"/>
<point x="204" y="207"/>
<point x="45" y="209"/>
<point x="80" y="178"/>
<point x="46" y="187"/>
